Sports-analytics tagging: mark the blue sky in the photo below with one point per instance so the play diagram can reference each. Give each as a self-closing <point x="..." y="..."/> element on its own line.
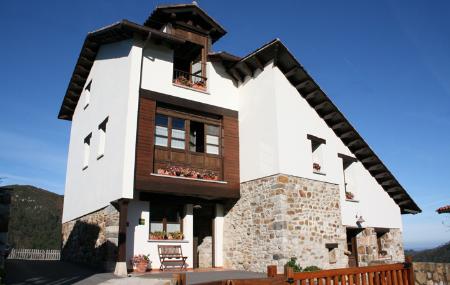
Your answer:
<point x="386" y="65"/>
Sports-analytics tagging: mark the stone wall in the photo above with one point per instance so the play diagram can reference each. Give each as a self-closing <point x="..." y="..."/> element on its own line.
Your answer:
<point x="283" y="216"/>
<point x="429" y="273"/>
<point x="368" y="252"/>
<point x="92" y="239"/>
<point x="205" y="253"/>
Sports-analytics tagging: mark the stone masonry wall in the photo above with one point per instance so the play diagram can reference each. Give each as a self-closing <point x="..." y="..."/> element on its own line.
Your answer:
<point x="368" y="252"/>
<point x="429" y="273"/>
<point x="283" y="216"/>
<point x="92" y="239"/>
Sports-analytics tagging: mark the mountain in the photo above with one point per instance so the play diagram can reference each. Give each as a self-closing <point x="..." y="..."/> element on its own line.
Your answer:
<point x="437" y="254"/>
<point x="35" y="218"/>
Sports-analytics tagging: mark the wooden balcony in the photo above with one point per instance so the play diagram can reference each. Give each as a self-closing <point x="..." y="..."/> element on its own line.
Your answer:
<point x="168" y="161"/>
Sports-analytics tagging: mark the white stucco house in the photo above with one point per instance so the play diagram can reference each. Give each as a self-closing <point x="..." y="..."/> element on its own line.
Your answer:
<point x="242" y="161"/>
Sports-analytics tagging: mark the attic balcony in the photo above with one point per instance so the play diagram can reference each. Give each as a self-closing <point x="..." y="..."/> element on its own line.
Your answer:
<point x="189" y="80"/>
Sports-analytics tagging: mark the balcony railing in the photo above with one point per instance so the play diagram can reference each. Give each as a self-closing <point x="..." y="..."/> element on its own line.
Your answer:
<point x="190" y="80"/>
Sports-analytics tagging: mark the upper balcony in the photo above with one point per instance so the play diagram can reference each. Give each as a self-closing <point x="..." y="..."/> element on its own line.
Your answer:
<point x="186" y="148"/>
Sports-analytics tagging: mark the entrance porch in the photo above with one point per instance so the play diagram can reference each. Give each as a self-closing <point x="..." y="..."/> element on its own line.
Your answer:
<point x="195" y="225"/>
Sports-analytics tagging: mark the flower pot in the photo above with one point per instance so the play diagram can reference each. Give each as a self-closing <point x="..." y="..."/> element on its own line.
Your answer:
<point x="141" y="267"/>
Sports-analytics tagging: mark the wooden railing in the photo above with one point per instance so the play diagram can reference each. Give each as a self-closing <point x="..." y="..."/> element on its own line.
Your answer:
<point x="35" y="254"/>
<point x="391" y="274"/>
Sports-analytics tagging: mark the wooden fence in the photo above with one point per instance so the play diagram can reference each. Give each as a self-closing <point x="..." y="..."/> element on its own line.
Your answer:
<point x="35" y="254"/>
<point x="391" y="274"/>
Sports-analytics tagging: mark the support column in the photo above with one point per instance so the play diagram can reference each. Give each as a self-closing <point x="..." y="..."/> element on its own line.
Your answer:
<point x="218" y="236"/>
<point x="121" y="264"/>
<point x="188" y="232"/>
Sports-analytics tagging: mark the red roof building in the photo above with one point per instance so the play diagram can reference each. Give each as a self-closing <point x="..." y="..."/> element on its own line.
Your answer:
<point x="444" y="209"/>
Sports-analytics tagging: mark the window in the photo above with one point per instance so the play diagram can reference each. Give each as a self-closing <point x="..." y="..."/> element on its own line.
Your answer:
<point x="165" y="218"/>
<point x="317" y="146"/>
<point x="381" y="235"/>
<point x="203" y="138"/>
<point x="161" y="130"/>
<point x="197" y="137"/>
<point x="212" y="139"/>
<point x="178" y="134"/>
<point x="189" y="67"/>
<point x="348" y="167"/>
<point x="87" y="94"/>
<point x="102" y="138"/>
<point x="87" y="146"/>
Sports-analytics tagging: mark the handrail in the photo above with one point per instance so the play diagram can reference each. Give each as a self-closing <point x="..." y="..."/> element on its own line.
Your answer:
<point x="192" y="80"/>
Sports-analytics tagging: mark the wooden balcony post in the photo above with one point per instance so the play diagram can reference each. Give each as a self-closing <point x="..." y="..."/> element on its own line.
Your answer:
<point x="271" y="270"/>
<point x="410" y="267"/>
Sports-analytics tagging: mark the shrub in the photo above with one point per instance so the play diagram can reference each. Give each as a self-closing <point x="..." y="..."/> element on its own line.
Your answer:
<point x="311" y="268"/>
<point x="293" y="264"/>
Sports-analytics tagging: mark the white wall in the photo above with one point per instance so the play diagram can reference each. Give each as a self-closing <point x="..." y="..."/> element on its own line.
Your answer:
<point x="274" y="121"/>
<point x="114" y="94"/>
<point x="138" y="242"/>
<point x="157" y="73"/>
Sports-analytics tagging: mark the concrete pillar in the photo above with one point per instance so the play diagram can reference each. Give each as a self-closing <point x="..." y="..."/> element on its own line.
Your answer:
<point x="188" y="232"/>
<point x="218" y="236"/>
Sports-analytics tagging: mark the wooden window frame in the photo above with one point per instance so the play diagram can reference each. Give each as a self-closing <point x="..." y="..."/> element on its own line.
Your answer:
<point x="187" y="119"/>
<point x="165" y="222"/>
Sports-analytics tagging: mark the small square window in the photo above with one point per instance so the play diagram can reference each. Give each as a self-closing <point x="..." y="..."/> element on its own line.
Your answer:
<point x="87" y="146"/>
<point x="317" y="146"/>
<point x="87" y="94"/>
<point x="102" y="138"/>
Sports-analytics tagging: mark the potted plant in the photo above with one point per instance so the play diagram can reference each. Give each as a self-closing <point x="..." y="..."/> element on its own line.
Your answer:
<point x="182" y="81"/>
<point x="140" y="263"/>
<point x="316" y="166"/>
<point x="175" y="235"/>
<point x="157" y="235"/>
<point x="199" y="85"/>
<point x="349" y="195"/>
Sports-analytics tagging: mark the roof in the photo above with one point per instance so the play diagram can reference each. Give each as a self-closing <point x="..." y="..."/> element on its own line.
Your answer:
<point x="277" y="52"/>
<point x="116" y="32"/>
<point x="444" y="209"/>
<point x="179" y="14"/>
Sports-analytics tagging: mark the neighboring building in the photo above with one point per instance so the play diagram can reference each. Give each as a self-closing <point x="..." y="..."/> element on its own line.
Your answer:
<point x="5" y="202"/>
<point x="443" y="209"/>
<point x="247" y="157"/>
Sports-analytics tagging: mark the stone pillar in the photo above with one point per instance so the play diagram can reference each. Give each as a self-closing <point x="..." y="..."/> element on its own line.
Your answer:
<point x="218" y="236"/>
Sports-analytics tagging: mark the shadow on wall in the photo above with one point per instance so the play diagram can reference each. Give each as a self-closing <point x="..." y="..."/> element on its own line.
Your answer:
<point x="87" y="246"/>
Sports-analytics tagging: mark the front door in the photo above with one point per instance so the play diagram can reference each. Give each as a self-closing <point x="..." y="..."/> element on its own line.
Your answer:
<point x="203" y="244"/>
<point x="352" y="247"/>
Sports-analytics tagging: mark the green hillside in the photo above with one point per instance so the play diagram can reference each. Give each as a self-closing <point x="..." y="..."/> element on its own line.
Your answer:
<point x="35" y="218"/>
<point x="437" y="254"/>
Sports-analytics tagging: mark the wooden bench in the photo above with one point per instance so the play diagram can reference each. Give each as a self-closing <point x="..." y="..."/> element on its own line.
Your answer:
<point x="171" y="255"/>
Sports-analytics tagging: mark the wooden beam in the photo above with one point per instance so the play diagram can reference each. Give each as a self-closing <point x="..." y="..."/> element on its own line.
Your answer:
<point x="388" y="182"/>
<point x="375" y="167"/>
<point x="354" y="142"/>
<point x="291" y="71"/>
<point x="346" y="134"/>
<point x="404" y="202"/>
<point x="330" y="115"/>
<point x="258" y="62"/>
<point x="275" y="58"/>
<point x="382" y="175"/>
<point x="246" y="68"/>
<point x="303" y="84"/>
<point x="321" y="105"/>
<point x="236" y="74"/>
<point x="394" y="189"/>
<point x="311" y="94"/>
<point x="398" y="196"/>
<point x="360" y="150"/>
<point x="339" y="125"/>
<point x="368" y="159"/>
<point x="122" y="240"/>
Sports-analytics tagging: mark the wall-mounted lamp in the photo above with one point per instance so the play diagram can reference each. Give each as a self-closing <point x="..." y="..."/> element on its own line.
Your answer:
<point x="360" y="220"/>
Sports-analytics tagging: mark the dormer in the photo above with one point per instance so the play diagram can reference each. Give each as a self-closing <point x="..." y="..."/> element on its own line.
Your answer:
<point x="189" y="22"/>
